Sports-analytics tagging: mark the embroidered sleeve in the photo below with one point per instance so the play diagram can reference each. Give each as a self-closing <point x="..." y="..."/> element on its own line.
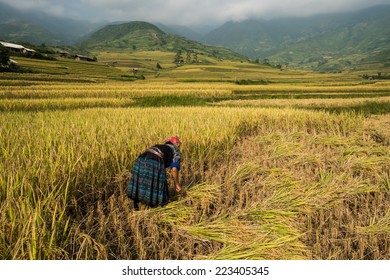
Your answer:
<point x="176" y="157"/>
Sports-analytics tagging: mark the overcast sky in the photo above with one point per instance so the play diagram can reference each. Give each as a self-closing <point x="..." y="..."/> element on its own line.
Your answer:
<point x="188" y="12"/>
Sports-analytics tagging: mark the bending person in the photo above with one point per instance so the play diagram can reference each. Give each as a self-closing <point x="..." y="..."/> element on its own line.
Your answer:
<point x="148" y="183"/>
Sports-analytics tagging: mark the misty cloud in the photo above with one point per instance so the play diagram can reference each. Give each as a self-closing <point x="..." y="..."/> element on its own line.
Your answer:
<point x="188" y="12"/>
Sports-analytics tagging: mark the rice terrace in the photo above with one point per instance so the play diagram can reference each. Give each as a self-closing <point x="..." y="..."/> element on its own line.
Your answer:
<point x="279" y="162"/>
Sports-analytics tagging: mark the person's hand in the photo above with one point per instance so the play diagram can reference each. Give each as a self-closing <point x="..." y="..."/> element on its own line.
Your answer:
<point x="178" y="188"/>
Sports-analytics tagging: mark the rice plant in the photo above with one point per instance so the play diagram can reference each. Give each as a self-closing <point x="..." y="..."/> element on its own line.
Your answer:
<point x="260" y="182"/>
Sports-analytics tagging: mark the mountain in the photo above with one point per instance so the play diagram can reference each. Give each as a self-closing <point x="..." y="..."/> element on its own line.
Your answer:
<point x="19" y="31"/>
<point x="38" y="27"/>
<point x="323" y="42"/>
<point x="326" y="43"/>
<point x="143" y="36"/>
<point x="124" y="35"/>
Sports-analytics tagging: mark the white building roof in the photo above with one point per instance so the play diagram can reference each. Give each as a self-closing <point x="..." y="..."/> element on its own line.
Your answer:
<point x="11" y="45"/>
<point x="15" y="46"/>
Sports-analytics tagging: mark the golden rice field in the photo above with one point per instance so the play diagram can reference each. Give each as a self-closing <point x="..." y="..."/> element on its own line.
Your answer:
<point x="285" y="170"/>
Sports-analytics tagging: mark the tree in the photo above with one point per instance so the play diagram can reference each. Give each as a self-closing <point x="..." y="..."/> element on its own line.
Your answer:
<point x="4" y="57"/>
<point x="178" y="57"/>
<point x="188" y="60"/>
<point x="266" y="61"/>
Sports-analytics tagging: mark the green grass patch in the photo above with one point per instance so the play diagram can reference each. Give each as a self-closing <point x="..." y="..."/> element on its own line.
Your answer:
<point x="366" y="109"/>
<point x="252" y="82"/>
<point x="128" y="78"/>
<point x="169" y="100"/>
<point x="310" y="96"/>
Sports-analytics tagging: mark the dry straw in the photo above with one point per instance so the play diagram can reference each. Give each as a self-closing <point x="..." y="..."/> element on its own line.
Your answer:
<point x="261" y="183"/>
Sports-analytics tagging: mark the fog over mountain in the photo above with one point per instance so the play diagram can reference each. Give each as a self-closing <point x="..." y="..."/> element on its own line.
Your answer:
<point x="188" y="12"/>
<point x="328" y="36"/>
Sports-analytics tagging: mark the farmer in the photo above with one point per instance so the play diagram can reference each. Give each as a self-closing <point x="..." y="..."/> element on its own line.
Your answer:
<point x="148" y="183"/>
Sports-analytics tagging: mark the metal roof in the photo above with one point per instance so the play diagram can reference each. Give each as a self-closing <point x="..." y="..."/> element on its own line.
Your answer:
<point x="15" y="46"/>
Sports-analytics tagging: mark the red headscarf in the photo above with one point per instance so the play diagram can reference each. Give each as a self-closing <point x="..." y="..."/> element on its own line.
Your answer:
<point x="174" y="140"/>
